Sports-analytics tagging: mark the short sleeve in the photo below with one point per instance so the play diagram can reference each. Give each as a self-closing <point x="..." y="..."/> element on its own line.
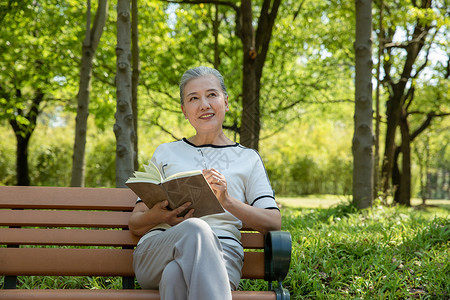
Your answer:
<point x="259" y="191"/>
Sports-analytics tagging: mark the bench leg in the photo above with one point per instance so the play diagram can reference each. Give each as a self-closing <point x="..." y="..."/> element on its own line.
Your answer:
<point x="128" y="283"/>
<point x="282" y="293"/>
<point x="10" y="282"/>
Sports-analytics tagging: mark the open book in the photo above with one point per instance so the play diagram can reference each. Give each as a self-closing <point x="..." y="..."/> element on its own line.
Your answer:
<point x="177" y="189"/>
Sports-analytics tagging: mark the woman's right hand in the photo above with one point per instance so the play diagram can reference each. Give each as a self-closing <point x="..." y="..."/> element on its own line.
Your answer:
<point x="171" y="217"/>
<point x="143" y="219"/>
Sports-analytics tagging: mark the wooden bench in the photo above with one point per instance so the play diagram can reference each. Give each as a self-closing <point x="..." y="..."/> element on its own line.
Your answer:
<point x="54" y="231"/>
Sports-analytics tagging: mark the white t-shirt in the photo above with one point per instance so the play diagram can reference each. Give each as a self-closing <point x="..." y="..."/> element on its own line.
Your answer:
<point x="247" y="179"/>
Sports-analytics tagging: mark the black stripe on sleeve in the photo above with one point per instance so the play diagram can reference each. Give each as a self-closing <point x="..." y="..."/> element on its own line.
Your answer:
<point x="272" y="208"/>
<point x="260" y="197"/>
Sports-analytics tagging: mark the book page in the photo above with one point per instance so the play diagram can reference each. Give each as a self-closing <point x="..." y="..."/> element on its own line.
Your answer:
<point x="143" y="177"/>
<point x="153" y="171"/>
<point x="182" y="175"/>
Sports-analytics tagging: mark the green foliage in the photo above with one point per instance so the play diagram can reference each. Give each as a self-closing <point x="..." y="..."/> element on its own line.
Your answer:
<point x="317" y="161"/>
<point x="174" y="38"/>
<point x="51" y="164"/>
<point x="51" y="155"/>
<point x="100" y="162"/>
<point x="37" y="53"/>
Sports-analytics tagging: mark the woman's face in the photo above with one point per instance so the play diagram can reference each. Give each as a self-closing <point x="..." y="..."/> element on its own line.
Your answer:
<point x="204" y="103"/>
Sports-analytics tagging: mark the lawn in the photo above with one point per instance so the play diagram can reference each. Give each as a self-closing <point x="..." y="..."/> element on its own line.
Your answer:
<point x="378" y="253"/>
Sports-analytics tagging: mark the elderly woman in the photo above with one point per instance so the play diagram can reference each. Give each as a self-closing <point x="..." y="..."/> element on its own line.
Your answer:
<point x="201" y="258"/>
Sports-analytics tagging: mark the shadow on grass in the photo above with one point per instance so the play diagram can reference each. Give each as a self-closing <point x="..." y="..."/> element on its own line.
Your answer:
<point x="436" y="232"/>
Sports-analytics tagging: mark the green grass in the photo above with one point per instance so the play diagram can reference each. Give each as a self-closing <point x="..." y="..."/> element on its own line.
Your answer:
<point x="342" y="253"/>
<point x="379" y="253"/>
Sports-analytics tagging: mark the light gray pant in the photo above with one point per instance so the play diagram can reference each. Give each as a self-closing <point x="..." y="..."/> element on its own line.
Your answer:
<point x="188" y="261"/>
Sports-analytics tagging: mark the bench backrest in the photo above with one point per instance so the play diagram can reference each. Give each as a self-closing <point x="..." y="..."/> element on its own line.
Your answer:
<point x="79" y="232"/>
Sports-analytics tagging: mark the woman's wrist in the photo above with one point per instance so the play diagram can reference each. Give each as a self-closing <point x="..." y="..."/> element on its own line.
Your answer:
<point x="227" y="202"/>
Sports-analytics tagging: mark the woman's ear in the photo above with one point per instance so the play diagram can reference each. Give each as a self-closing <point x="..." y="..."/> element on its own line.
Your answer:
<point x="184" y="111"/>
<point x="227" y="108"/>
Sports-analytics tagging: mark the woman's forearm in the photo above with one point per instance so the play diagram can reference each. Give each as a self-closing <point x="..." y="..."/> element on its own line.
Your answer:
<point x="141" y="222"/>
<point x="260" y="219"/>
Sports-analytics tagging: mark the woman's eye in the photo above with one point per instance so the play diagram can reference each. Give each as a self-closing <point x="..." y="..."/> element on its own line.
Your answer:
<point x="212" y="95"/>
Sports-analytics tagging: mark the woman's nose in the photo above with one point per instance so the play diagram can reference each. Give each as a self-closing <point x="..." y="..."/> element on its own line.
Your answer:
<point x="204" y="104"/>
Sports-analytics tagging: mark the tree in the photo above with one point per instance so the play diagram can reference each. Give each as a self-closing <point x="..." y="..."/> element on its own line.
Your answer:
<point x="420" y="111"/>
<point x="404" y="61"/>
<point x="34" y="67"/>
<point x="255" y="45"/>
<point x="123" y="128"/>
<point x="89" y="48"/>
<point x="363" y="136"/>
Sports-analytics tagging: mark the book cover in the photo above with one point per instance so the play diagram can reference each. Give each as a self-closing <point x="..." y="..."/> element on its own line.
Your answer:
<point x="177" y="189"/>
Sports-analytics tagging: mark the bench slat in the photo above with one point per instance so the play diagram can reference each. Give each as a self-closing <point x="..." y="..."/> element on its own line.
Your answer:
<point x="96" y="219"/>
<point x="70" y="262"/>
<point x="253" y="240"/>
<point x="68" y="237"/>
<point x="113" y="294"/>
<point x="253" y="265"/>
<point x="90" y="262"/>
<point x="79" y="237"/>
<point x="67" y="198"/>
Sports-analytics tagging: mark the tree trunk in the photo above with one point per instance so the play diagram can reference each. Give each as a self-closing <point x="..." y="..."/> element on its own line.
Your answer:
<point x="89" y="47"/>
<point x="363" y="136"/>
<point x="396" y="175"/>
<point x="123" y="128"/>
<point x="404" y="190"/>
<point x="426" y="186"/>
<point x="22" y="169"/>
<point x="250" y="124"/>
<point x="393" y="109"/>
<point x="135" y="75"/>
<point x="23" y="134"/>
<point x="376" y="171"/>
<point x="402" y="180"/>
<point x="255" y="48"/>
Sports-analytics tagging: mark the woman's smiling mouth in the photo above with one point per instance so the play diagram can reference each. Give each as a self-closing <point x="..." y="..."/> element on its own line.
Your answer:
<point x="206" y="116"/>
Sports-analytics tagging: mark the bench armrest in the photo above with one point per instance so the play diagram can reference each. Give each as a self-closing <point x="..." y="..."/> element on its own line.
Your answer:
<point x="277" y="255"/>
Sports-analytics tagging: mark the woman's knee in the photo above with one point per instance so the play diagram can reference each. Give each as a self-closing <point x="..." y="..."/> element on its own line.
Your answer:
<point x="197" y="231"/>
<point x="172" y="273"/>
<point x="196" y="225"/>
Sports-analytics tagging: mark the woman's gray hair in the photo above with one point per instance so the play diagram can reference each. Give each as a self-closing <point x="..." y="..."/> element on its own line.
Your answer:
<point x="199" y="72"/>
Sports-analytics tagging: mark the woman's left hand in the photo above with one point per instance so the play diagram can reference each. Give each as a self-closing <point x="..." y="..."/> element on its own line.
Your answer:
<point x="218" y="184"/>
<point x="259" y="219"/>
